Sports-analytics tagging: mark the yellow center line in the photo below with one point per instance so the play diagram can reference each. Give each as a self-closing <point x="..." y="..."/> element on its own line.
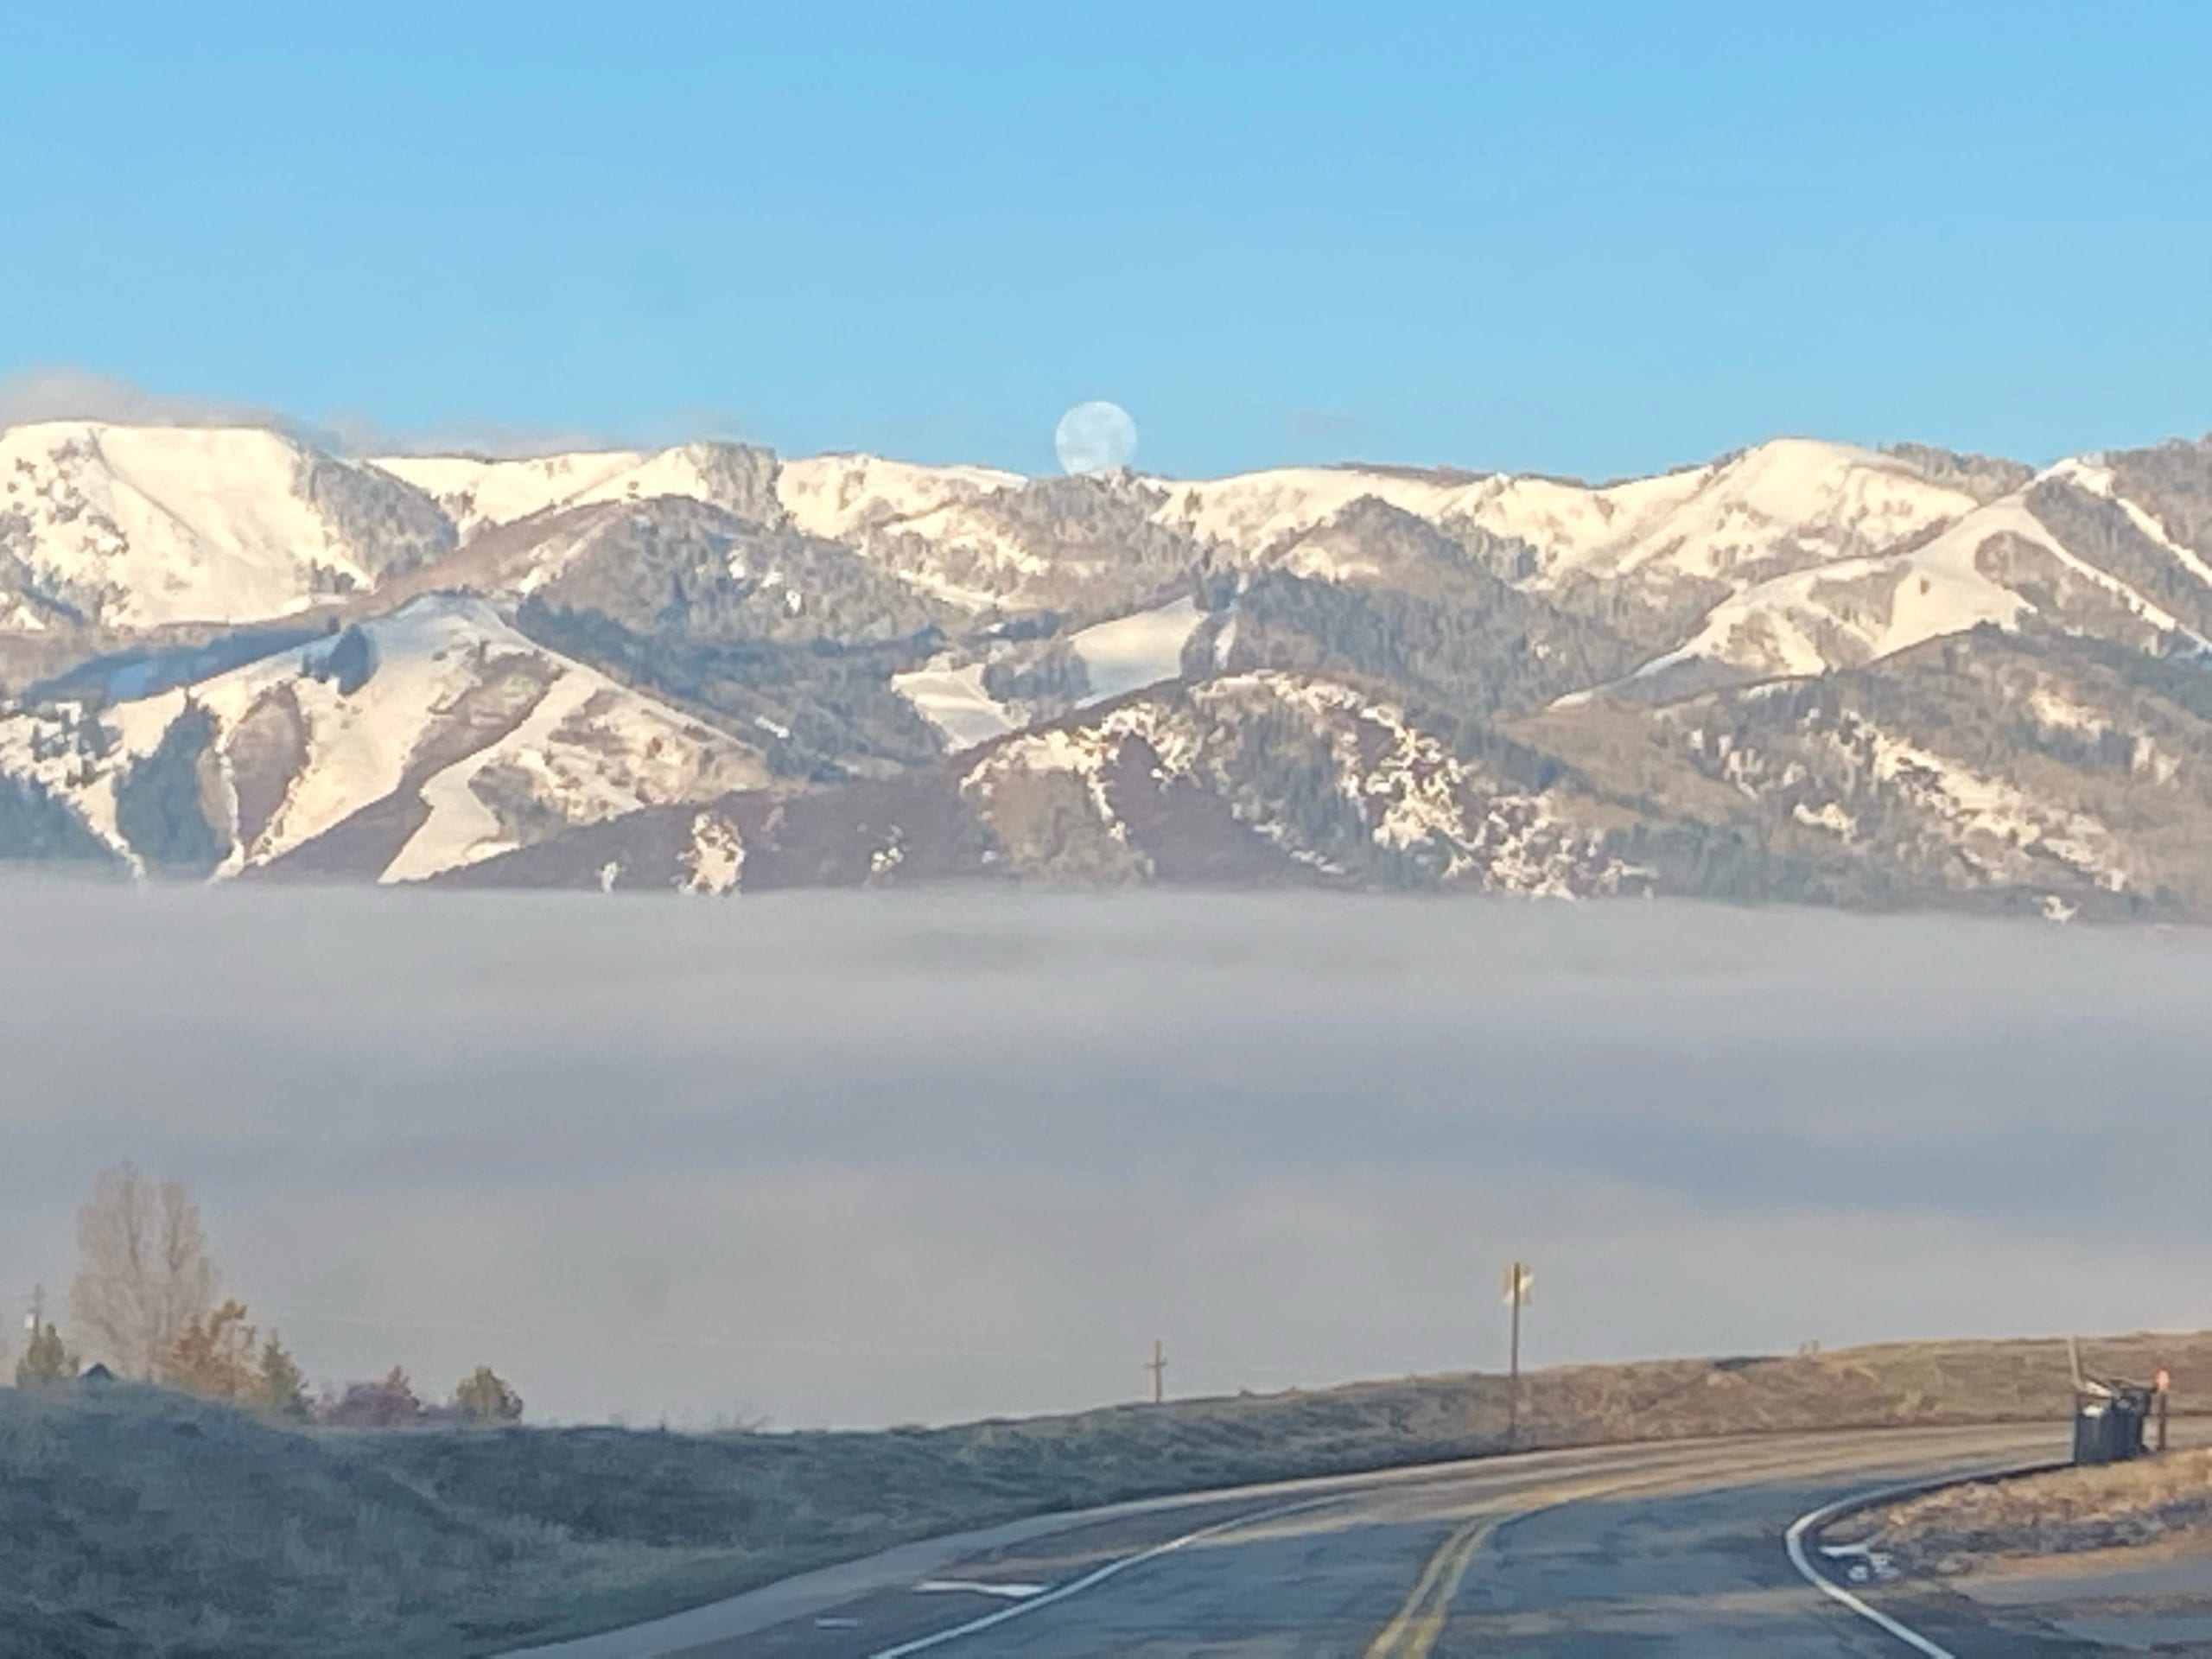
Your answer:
<point x="1419" y="1624"/>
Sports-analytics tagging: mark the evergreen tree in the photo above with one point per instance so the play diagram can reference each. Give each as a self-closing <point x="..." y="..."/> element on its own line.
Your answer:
<point x="161" y="805"/>
<point x="47" y="1360"/>
<point x="281" y="1389"/>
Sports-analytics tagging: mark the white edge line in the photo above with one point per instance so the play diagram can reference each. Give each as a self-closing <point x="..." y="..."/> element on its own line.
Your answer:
<point x="1096" y="1576"/>
<point x="1794" y="1540"/>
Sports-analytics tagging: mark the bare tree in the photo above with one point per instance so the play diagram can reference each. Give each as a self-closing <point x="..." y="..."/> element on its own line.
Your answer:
<point x="144" y="1275"/>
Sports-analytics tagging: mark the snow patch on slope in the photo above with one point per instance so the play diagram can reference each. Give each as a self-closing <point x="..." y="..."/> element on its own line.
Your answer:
<point x="477" y="493"/>
<point x="2099" y="480"/>
<point x="952" y="699"/>
<point x="714" y="863"/>
<point x="837" y="497"/>
<point x="1993" y="822"/>
<point x="1131" y="652"/>
<point x="1119" y="657"/>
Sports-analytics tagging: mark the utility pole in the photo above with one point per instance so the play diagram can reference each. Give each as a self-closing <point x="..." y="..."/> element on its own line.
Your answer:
<point x="1519" y="1280"/>
<point x="1158" y="1366"/>
<point x="36" y="1323"/>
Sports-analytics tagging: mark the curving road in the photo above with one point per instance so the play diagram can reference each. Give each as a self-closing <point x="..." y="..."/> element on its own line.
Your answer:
<point x="1617" y="1553"/>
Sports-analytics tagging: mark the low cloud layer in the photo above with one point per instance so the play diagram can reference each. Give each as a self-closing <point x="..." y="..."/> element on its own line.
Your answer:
<point x="63" y="392"/>
<point x="829" y="1158"/>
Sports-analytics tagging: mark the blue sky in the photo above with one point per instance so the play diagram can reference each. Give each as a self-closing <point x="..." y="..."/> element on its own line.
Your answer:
<point x="1582" y="239"/>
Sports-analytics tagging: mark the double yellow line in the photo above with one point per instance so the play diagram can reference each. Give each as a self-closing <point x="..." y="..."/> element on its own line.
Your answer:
<point x="1418" y="1624"/>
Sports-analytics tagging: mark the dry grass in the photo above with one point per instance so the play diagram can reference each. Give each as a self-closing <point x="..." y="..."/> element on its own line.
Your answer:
<point x="133" y="1522"/>
<point x="2155" y="1500"/>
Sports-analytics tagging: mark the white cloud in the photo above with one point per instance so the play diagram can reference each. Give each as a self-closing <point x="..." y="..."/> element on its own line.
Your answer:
<point x="61" y="392"/>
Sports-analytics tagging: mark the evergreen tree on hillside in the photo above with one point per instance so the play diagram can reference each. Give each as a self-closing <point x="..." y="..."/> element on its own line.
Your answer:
<point x="161" y="803"/>
<point x="47" y="1360"/>
<point x="281" y="1390"/>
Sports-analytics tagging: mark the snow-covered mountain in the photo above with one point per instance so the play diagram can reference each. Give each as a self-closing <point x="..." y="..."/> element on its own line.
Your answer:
<point x="133" y="526"/>
<point x="1254" y="778"/>
<point x="563" y="644"/>
<point x="398" y="748"/>
<point x="477" y="494"/>
<point x="1789" y="501"/>
<point x="834" y="497"/>
<point x="1788" y="557"/>
<point x="2004" y="562"/>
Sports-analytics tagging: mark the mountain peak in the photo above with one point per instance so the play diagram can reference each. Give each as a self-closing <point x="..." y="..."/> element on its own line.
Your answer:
<point x="400" y="668"/>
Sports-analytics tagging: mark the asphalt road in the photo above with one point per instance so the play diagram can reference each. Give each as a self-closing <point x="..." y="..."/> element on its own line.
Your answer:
<point x="1616" y="1552"/>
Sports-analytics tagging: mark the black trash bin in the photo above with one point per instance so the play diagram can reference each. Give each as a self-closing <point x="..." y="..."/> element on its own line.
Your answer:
<point x="2108" y="1420"/>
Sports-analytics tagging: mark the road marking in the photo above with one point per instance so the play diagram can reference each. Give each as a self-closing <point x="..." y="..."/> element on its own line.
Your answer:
<point x="1112" y="1569"/>
<point x="1417" y="1625"/>
<point x="1813" y="1520"/>
<point x="1099" y="1576"/>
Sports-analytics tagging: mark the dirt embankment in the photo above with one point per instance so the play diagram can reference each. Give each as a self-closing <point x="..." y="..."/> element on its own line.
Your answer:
<point x="2158" y="1500"/>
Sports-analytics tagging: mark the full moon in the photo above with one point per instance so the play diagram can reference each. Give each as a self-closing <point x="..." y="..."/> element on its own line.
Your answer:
<point x="1096" y="437"/>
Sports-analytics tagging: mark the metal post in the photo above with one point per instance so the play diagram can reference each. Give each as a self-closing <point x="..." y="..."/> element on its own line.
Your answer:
<point x="1513" y="1367"/>
<point x="1519" y="1280"/>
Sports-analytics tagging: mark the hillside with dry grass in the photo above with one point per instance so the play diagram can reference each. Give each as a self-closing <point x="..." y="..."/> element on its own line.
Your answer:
<point x="2156" y="1500"/>
<point x="135" y="1521"/>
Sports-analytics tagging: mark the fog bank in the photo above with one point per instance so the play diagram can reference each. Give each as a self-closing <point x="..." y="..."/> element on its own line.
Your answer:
<point x="873" y="1158"/>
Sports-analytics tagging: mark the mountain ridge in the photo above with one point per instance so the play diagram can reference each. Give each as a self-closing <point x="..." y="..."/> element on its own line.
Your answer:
<point x="224" y="652"/>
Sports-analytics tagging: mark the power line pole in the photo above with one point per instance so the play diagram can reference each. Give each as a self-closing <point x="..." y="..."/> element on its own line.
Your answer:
<point x="1158" y="1366"/>
<point x="1519" y="1280"/>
